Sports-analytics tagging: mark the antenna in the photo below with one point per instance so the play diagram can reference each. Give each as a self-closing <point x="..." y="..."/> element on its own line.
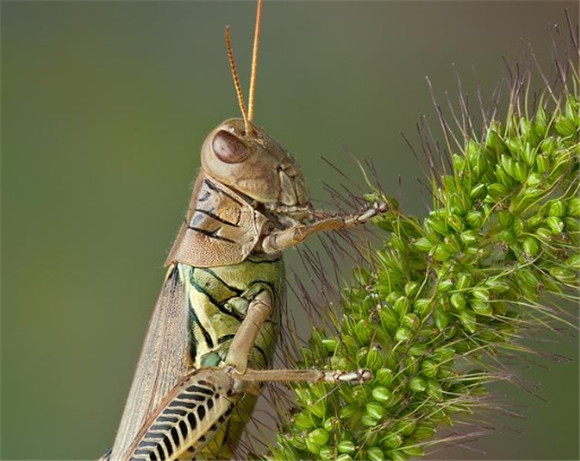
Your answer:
<point x="237" y="80"/>
<point x="249" y="114"/>
<point x="254" y="61"/>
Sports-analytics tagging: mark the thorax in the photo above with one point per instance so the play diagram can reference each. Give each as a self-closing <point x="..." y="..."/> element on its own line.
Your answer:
<point x="218" y="299"/>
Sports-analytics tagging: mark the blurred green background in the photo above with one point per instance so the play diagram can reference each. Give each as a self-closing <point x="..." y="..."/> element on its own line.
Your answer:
<point x="104" y="108"/>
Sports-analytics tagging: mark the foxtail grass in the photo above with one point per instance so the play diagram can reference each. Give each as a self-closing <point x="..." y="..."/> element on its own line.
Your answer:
<point x="443" y="301"/>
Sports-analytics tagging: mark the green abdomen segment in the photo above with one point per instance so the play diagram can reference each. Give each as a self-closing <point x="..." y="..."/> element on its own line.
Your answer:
<point x="191" y="416"/>
<point x="218" y="299"/>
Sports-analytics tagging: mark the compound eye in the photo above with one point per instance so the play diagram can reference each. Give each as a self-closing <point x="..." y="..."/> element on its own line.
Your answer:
<point x="228" y="148"/>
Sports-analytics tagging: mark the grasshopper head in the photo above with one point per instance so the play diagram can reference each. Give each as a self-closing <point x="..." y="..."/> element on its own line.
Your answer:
<point x="255" y="165"/>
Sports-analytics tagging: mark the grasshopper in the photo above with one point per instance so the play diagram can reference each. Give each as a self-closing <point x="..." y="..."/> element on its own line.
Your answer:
<point x="214" y="328"/>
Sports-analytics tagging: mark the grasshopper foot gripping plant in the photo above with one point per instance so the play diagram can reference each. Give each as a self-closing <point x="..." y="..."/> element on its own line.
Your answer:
<point x="213" y="330"/>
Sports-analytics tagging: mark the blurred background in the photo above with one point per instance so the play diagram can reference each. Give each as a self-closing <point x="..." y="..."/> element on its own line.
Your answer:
<point x="104" y="108"/>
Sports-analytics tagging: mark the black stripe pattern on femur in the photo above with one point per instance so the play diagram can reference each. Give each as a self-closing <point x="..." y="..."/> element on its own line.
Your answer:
<point x="173" y="429"/>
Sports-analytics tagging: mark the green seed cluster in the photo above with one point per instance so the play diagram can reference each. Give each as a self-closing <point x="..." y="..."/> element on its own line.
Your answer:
<point x="447" y="292"/>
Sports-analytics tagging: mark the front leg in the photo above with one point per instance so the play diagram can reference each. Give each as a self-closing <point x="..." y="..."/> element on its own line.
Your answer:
<point x="279" y="240"/>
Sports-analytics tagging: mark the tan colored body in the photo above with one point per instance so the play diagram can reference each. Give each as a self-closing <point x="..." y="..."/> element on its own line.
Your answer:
<point x="217" y="316"/>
